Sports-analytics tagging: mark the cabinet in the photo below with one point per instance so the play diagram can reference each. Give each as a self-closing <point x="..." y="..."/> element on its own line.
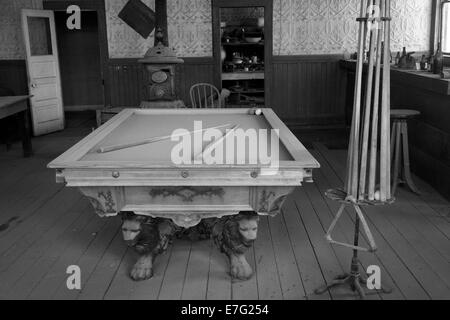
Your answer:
<point x="243" y="42"/>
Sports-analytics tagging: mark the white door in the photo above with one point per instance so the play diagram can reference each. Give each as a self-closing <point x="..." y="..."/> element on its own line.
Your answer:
<point x="44" y="79"/>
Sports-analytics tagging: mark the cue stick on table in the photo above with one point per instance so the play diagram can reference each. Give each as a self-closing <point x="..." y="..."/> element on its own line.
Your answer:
<point x="152" y="140"/>
<point x="214" y="144"/>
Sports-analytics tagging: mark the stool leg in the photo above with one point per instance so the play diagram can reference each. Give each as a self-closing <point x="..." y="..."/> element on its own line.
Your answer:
<point x="393" y="136"/>
<point x="406" y="165"/>
<point x="397" y="160"/>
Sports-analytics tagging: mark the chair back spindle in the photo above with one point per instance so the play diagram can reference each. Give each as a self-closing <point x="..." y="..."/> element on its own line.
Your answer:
<point x="205" y="95"/>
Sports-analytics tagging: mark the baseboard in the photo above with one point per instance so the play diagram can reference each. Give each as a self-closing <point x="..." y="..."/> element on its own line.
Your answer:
<point x="92" y="107"/>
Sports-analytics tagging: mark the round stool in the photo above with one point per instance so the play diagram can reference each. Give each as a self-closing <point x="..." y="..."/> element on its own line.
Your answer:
<point x="401" y="172"/>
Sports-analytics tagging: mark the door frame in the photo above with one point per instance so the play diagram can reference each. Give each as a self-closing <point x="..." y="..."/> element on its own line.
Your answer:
<point x="268" y="39"/>
<point x="99" y="7"/>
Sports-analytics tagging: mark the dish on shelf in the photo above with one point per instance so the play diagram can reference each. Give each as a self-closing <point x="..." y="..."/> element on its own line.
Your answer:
<point x="238" y="60"/>
<point x="253" y="39"/>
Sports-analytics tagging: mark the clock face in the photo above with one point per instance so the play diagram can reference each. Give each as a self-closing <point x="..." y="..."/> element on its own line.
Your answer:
<point x="159" y="77"/>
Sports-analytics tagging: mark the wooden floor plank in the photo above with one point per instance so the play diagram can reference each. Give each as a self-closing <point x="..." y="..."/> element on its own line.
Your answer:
<point x="408" y="254"/>
<point x="174" y="277"/>
<point x="269" y="286"/>
<point x="309" y="268"/>
<point x="436" y="201"/>
<point x="427" y="212"/>
<point x="87" y="248"/>
<point x="219" y="280"/>
<point x="15" y="266"/>
<point x="400" y="218"/>
<point x="31" y="229"/>
<point x="122" y="286"/>
<point x="27" y="196"/>
<point x="40" y="268"/>
<point x="196" y="282"/>
<point x="98" y="283"/>
<point x="291" y="282"/>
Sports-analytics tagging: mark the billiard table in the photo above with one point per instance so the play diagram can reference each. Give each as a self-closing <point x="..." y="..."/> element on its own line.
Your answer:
<point x="145" y="180"/>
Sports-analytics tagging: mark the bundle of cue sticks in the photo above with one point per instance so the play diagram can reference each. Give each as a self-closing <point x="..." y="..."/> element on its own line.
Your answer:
<point x="369" y="172"/>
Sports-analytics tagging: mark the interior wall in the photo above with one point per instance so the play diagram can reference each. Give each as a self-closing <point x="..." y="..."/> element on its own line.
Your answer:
<point x="189" y="29"/>
<point x="301" y="27"/>
<point x="330" y="27"/>
<point x="11" y="39"/>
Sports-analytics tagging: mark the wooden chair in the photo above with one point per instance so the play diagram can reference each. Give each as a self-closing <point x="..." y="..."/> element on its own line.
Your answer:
<point x="205" y="95"/>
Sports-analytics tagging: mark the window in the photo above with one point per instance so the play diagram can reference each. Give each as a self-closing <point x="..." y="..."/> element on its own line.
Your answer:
<point x="446" y="27"/>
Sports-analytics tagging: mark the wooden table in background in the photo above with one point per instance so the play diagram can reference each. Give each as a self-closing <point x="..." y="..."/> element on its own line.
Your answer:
<point x="18" y="105"/>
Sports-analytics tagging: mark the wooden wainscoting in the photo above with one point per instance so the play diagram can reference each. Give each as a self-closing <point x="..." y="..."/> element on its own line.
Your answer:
<point x="13" y="75"/>
<point x="308" y="90"/>
<point x="127" y="80"/>
<point x="305" y="90"/>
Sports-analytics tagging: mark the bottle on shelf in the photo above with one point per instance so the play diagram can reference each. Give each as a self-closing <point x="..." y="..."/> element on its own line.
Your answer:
<point x="403" y="59"/>
<point x="423" y="63"/>
<point x="397" y="59"/>
<point x="430" y="63"/>
<point x="438" y="61"/>
<point x="404" y="54"/>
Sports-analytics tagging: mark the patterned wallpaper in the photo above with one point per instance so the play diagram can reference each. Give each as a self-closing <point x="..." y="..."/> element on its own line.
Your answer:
<point x="189" y="29"/>
<point x="123" y="41"/>
<point x="329" y="26"/>
<point x="300" y="27"/>
<point x="11" y="39"/>
<point x="237" y="16"/>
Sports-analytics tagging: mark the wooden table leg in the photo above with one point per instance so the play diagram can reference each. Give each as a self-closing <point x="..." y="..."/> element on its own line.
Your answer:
<point x="26" y="134"/>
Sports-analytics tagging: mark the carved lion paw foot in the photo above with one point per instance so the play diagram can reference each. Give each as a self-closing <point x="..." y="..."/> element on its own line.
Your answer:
<point x="240" y="269"/>
<point x="143" y="269"/>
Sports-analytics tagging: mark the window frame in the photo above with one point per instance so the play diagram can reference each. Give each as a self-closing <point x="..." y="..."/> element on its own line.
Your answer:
<point x="441" y="24"/>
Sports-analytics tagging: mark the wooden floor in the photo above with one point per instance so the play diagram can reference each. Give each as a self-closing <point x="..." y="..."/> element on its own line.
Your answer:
<point x="44" y="228"/>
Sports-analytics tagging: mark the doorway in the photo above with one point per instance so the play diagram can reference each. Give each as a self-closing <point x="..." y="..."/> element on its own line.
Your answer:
<point x="83" y="55"/>
<point x="79" y="56"/>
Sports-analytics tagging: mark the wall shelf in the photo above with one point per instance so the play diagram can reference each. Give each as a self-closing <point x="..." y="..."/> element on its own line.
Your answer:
<point x="246" y="44"/>
<point x="227" y="76"/>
